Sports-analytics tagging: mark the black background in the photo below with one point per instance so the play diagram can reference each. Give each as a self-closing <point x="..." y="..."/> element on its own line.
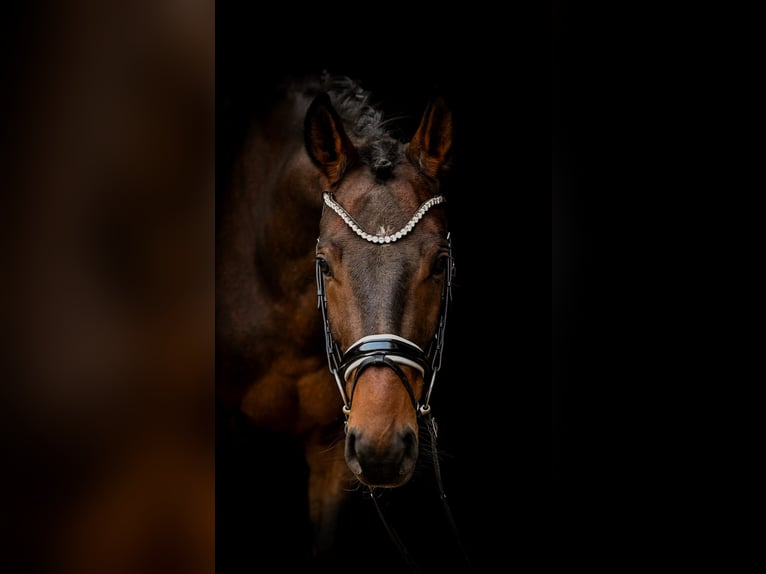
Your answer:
<point x="616" y="308"/>
<point x="649" y="166"/>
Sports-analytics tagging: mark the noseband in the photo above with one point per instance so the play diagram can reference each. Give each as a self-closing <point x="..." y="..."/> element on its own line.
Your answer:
<point x="385" y="349"/>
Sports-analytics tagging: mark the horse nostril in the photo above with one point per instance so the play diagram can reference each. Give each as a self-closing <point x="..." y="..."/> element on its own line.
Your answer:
<point x="382" y="462"/>
<point x="409" y="440"/>
<point x="351" y="455"/>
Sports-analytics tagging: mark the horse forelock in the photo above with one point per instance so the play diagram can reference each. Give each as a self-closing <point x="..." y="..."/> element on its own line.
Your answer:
<point x="366" y="125"/>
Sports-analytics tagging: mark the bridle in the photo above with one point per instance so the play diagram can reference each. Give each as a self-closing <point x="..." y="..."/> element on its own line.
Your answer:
<point x="385" y="349"/>
<point x="389" y="350"/>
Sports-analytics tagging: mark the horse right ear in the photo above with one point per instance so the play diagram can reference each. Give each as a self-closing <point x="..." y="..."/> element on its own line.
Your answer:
<point x="431" y="147"/>
<point x="326" y="141"/>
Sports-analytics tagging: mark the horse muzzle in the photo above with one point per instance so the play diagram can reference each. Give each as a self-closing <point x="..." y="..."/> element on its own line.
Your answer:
<point x="382" y="429"/>
<point x="383" y="372"/>
<point x="382" y="463"/>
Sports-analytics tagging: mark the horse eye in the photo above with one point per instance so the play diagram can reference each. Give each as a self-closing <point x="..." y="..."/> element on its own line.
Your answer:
<point x="324" y="266"/>
<point x="440" y="265"/>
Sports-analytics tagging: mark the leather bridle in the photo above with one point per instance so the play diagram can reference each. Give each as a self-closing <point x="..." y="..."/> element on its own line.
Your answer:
<point x="386" y="349"/>
<point x="392" y="351"/>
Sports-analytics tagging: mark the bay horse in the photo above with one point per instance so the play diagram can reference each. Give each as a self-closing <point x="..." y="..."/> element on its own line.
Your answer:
<point x="333" y="277"/>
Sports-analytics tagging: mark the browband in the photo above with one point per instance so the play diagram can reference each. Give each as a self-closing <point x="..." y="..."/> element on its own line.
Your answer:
<point x="344" y="215"/>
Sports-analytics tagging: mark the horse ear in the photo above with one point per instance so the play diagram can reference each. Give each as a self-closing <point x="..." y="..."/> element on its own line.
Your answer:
<point x="431" y="146"/>
<point x="327" y="144"/>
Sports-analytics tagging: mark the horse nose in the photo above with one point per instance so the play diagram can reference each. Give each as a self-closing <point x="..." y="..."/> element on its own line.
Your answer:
<point x="384" y="461"/>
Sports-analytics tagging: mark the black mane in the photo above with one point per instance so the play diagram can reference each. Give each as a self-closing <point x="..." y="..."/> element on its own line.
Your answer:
<point x="365" y="124"/>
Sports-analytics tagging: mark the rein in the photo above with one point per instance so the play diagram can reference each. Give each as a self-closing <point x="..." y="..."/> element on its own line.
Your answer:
<point x="432" y="431"/>
<point x="385" y="349"/>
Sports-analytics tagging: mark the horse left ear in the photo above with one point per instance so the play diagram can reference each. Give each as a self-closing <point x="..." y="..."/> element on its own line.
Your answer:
<point x="431" y="146"/>
<point x="326" y="141"/>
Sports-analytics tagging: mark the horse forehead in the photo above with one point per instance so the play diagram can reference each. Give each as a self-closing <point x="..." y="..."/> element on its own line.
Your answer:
<point x="402" y="193"/>
<point x="367" y="262"/>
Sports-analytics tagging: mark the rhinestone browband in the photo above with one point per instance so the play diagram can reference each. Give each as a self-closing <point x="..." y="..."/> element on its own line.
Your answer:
<point x="336" y="207"/>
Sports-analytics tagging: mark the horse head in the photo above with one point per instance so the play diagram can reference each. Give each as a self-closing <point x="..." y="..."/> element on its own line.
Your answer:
<point x="384" y="264"/>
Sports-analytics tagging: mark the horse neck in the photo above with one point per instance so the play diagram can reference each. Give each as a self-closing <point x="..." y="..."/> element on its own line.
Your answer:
<point x="267" y="236"/>
<point x="285" y="222"/>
